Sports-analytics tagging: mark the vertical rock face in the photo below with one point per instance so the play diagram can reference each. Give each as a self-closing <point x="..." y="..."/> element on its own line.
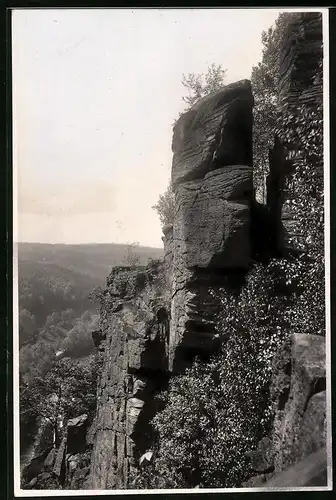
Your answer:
<point x="212" y="181"/>
<point x="301" y="60"/>
<point x="133" y="343"/>
<point x="300" y="84"/>
<point x="168" y="254"/>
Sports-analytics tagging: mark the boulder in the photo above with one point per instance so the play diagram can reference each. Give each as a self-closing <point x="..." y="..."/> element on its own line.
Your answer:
<point x="310" y="471"/>
<point x="300" y="400"/>
<point x="76" y="431"/>
<point x="50" y="460"/>
<point x="215" y="132"/>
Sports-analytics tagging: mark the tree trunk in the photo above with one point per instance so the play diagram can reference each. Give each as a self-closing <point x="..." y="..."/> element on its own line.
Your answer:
<point x="56" y="435"/>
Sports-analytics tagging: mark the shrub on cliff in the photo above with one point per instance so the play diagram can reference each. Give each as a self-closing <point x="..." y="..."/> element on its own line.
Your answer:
<point x="303" y="128"/>
<point x="165" y="207"/>
<point x="201" y="84"/>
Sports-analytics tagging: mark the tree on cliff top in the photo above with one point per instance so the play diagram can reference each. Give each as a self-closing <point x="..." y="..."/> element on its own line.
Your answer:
<point x="198" y="85"/>
<point x="201" y="84"/>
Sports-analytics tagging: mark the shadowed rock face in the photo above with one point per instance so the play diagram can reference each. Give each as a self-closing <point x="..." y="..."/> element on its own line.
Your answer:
<point x="134" y="340"/>
<point x="212" y="180"/>
<point x="295" y="454"/>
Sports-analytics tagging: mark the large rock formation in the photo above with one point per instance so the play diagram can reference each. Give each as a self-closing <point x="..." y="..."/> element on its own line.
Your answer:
<point x="212" y="182"/>
<point x="133" y="341"/>
<point x="155" y="320"/>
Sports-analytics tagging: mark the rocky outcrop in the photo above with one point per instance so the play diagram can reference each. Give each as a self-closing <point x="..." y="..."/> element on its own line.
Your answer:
<point x="154" y="320"/>
<point x="296" y="450"/>
<point x="298" y="392"/>
<point x="212" y="181"/>
<point x="301" y="60"/>
<point x="65" y="467"/>
<point x="135" y="329"/>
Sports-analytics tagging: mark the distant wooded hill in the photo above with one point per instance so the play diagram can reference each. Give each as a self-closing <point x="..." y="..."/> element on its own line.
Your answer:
<point x="89" y="264"/>
<point x="55" y="283"/>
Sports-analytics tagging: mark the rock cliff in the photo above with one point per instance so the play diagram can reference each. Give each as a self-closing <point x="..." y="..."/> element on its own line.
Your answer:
<point x="212" y="182"/>
<point x="133" y="344"/>
<point x="155" y="319"/>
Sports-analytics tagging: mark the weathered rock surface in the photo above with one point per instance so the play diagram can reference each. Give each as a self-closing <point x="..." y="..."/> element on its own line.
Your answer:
<point x="310" y="471"/>
<point x="168" y="254"/>
<point x="50" y="460"/>
<point x="211" y="224"/>
<point x="212" y="181"/>
<point x="300" y="398"/>
<point x="135" y="326"/>
<point x="214" y="133"/>
<point x="301" y="59"/>
<point x="59" y="465"/>
<point x="299" y="428"/>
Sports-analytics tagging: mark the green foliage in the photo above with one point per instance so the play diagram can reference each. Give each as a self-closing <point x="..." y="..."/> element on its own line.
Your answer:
<point x="302" y="131"/>
<point x="36" y="359"/>
<point x="165" y="207"/>
<point x="66" y="391"/>
<point x="201" y="84"/>
<point x="27" y="327"/>
<point x="78" y="341"/>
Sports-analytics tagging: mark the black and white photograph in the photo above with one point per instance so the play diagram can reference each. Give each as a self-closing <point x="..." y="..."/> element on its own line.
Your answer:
<point x="171" y="261"/>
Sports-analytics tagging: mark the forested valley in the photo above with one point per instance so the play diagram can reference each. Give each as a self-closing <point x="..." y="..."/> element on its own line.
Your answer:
<point x="57" y="286"/>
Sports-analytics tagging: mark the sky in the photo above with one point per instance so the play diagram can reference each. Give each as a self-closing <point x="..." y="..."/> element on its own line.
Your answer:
<point x="95" y="94"/>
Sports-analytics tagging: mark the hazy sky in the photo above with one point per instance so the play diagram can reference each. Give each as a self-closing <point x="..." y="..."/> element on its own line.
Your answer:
<point x="95" y="93"/>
